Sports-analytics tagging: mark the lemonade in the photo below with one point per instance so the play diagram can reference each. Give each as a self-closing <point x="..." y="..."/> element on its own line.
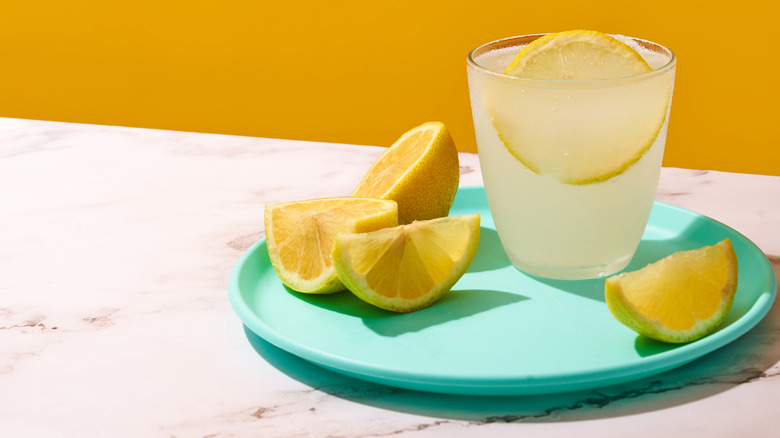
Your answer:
<point x="570" y="167"/>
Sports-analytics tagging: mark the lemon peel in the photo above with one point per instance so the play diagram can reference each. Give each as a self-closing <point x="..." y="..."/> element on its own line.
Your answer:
<point x="420" y="171"/>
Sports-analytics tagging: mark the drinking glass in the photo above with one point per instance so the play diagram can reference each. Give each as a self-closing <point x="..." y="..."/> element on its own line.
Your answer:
<point x="570" y="167"/>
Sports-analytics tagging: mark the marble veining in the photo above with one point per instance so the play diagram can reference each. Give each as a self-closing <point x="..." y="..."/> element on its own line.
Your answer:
<point x="115" y="249"/>
<point x="601" y="400"/>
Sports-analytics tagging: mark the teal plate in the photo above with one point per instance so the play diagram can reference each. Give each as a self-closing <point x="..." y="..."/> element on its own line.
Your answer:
<point x="499" y="331"/>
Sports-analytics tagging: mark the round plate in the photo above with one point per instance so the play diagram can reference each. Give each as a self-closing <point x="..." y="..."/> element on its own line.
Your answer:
<point x="499" y="331"/>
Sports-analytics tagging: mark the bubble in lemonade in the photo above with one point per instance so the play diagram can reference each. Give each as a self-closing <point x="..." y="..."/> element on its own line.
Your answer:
<point x="571" y="137"/>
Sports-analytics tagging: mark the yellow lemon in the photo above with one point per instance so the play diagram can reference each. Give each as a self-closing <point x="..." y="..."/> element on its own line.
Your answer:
<point x="576" y="127"/>
<point x="680" y="298"/>
<point x="407" y="268"/>
<point x="577" y="55"/>
<point x="420" y="171"/>
<point x="300" y="236"/>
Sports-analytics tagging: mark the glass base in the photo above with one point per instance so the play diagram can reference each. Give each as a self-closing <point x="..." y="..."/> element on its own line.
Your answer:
<point x="573" y="273"/>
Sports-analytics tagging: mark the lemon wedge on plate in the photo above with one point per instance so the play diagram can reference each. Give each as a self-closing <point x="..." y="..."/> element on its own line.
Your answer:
<point x="409" y="267"/>
<point x="680" y="298"/>
<point x="420" y="171"/>
<point x="300" y="236"/>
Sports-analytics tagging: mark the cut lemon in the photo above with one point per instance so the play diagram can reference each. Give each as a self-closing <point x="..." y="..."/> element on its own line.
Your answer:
<point x="409" y="267"/>
<point x="300" y="236"/>
<point x="680" y="298"/>
<point x="576" y="127"/>
<point x="577" y="55"/>
<point x="420" y="171"/>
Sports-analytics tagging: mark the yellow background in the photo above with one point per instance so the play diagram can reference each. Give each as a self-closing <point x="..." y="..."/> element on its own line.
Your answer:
<point x="363" y="72"/>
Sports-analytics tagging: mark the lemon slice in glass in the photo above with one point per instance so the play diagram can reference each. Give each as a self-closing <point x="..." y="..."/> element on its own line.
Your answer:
<point x="584" y="111"/>
<point x="577" y="55"/>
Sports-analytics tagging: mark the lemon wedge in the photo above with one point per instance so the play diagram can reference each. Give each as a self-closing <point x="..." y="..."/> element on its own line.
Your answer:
<point x="420" y="171"/>
<point x="409" y="267"/>
<point x="680" y="298"/>
<point x="300" y="236"/>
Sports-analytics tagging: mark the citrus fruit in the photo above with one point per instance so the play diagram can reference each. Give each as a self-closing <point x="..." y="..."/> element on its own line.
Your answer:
<point x="577" y="55"/>
<point x="680" y="298"/>
<point x="563" y="120"/>
<point x="407" y="268"/>
<point x="420" y="171"/>
<point x="300" y="236"/>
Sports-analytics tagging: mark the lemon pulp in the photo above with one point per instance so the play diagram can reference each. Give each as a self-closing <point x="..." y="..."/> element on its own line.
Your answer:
<point x="300" y="236"/>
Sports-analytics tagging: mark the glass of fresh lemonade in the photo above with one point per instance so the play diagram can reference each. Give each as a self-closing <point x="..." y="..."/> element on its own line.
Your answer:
<point x="570" y="167"/>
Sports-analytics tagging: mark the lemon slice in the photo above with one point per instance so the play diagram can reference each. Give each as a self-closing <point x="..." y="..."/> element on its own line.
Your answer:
<point x="577" y="55"/>
<point x="573" y="131"/>
<point x="409" y="267"/>
<point x="300" y="236"/>
<point x="420" y="171"/>
<point x="680" y="298"/>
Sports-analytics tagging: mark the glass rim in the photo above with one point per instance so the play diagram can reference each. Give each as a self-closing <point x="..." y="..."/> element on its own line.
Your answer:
<point x="510" y="42"/>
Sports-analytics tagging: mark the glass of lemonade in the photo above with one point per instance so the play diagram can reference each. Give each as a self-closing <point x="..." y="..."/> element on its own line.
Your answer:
<point x="570" y="167"/>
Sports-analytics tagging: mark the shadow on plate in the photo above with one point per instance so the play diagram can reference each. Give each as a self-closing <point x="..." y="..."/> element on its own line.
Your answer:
<point x="490" y="253"/>
<point x="743" y="361"/>
<point x="455" y="304"/>
<point x="649" y="347"/>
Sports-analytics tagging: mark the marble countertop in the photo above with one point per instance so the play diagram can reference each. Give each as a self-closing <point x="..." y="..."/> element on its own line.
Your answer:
<point x="116" y="245"/>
